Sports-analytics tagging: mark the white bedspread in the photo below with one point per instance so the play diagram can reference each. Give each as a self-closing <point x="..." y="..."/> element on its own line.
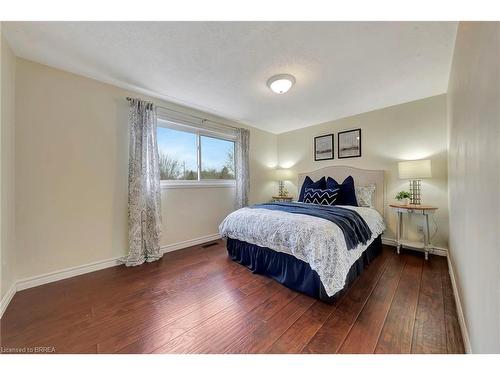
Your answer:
<point x="317" y="241"/>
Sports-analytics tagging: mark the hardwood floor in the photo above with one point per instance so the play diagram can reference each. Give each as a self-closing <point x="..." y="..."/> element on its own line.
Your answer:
<point x="196" y="300"/>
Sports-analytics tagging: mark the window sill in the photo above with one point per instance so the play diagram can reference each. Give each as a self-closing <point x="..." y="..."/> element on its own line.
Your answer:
<point x="196" y="184"/>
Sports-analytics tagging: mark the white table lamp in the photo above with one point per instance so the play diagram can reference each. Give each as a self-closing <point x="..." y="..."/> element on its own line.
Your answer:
<point x="415" y="170"/>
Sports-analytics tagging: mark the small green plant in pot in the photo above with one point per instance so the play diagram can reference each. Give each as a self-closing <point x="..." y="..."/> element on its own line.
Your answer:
<point x="403" y="197"/>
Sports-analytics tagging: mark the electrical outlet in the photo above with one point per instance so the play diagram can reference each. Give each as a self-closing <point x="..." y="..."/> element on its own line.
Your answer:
<point x="420" y="228"/>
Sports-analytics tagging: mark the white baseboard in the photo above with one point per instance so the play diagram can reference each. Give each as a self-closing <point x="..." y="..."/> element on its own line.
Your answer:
<point x="460" y="312"/>
<point x="6" y="299"/>
<point x="188" y="243"/>
<point x="441" y="251"/>
<point x="66" y="273"/>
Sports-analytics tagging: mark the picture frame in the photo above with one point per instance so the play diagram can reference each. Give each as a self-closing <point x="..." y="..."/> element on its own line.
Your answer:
<point x="349" y="144"/>
<point x="324" y="147"/>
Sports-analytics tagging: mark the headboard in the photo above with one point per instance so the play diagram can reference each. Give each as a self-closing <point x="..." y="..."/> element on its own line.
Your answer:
<point x="362" y="177"/>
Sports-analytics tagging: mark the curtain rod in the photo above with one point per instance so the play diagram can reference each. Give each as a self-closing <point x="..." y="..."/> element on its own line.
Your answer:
<point x="197" y="117"/>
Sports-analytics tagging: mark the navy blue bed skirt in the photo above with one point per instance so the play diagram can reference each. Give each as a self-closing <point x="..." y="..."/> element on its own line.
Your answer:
<point x="292" y="272"/>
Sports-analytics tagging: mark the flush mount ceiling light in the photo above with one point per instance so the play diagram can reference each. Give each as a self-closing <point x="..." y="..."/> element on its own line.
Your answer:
<point x="281" y="83"/>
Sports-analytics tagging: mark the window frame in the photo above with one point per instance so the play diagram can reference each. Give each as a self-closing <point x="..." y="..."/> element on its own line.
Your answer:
<point x="186" y="126"/>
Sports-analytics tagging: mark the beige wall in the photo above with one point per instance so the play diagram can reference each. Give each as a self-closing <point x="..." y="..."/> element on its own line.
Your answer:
<point x="415" y="130"/>
<point x="72" y="166"/>
<point x="7" y="189"/>
<point x="474" y="179"/>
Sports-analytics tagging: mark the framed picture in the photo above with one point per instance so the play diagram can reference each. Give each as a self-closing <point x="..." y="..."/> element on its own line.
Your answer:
<point x="323" y="147"/>
<point x="349" y="144"/>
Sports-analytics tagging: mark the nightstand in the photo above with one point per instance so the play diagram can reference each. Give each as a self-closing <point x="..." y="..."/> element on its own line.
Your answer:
<point x="411" y="209"/>
<point x="277" y="198"/>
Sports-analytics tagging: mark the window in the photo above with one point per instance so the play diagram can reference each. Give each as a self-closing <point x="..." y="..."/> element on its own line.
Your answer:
<point x="178" y="154"/>
<point x="217" y="158"/>
<point x="192" y="156"/>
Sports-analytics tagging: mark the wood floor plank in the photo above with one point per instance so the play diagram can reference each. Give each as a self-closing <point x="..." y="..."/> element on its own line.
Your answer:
<point x="254" y="285"/>
<point x="260" y="339"/>
<point x="120" y="307"/>
<point x="243" y="327"/>
<point x="197" y="300"/>
<point x="333" y="332"/>
<point x="150" y="342"/>
<point x="170" y="324"/>
<point x="429" y="334"/>
<point x="298" y="335"/>
<point x="50" y="296"/>
<point x="160" y="313"/>
<point x="454" y="340"/>
<point x="397" y="333"/>
<point x="216" y="334"/>
<point x="78" y="306"/>
<point x="364" y="333"/>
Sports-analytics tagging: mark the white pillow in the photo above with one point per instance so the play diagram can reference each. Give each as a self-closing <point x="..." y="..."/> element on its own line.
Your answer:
<point x="365" y="195"/>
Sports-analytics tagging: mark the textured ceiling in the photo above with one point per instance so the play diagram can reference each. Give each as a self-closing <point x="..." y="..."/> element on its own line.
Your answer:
<point x="341" y="68"/>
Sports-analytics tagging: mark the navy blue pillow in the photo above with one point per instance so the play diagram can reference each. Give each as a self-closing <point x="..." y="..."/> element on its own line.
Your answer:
<point x="308" y="183"/>
<point x="325" y="197"/>
<point x="347" y="194"/>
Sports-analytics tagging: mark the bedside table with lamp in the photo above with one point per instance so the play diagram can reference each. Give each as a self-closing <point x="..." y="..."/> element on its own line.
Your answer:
<point x="281" y="176"/>
<point x="414" y="171"/>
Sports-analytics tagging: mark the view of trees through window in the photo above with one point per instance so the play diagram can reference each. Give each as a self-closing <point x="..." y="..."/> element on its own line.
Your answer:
<point x="179" y="161"/>
<point x="217" y="158"/>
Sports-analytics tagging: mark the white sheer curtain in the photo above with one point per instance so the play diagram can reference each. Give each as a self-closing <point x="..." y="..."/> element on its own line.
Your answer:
<point x="242" y="146"/>
<point x="144" y="194"/>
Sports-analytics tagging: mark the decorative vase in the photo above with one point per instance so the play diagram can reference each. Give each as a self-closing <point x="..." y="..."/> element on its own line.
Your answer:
<point x="404" y="201"/>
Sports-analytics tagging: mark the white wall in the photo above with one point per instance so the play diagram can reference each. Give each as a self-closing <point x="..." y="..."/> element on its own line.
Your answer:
<point x="72" y="167"/>
<point x="415" y="130"/>
<point x="474" y="179"/>
<point x="7" y="189"/>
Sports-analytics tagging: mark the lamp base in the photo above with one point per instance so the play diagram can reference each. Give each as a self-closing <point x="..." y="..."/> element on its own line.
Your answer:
<point x="281" y="188"/>
<point x="415" y="190"/>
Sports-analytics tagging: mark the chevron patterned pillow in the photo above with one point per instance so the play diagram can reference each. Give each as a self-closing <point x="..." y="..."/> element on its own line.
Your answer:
<point x="326" y="197"/>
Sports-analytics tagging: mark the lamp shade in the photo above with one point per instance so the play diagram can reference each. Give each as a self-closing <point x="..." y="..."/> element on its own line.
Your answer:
<point x="414" y="169"/>
<point x="282" y="174"/>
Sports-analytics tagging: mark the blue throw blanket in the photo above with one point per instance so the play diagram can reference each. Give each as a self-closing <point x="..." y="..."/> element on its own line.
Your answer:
<point x="351" y="223"/>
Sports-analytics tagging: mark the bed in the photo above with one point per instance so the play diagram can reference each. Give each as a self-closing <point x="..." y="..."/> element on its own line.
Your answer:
<point x="314" y="249"/>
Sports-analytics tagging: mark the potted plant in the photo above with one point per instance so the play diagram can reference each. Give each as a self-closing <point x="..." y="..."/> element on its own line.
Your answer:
<point x="403" y="197"/>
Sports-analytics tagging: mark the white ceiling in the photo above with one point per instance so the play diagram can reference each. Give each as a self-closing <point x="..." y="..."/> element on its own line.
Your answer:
<point x="341" y="68"/>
